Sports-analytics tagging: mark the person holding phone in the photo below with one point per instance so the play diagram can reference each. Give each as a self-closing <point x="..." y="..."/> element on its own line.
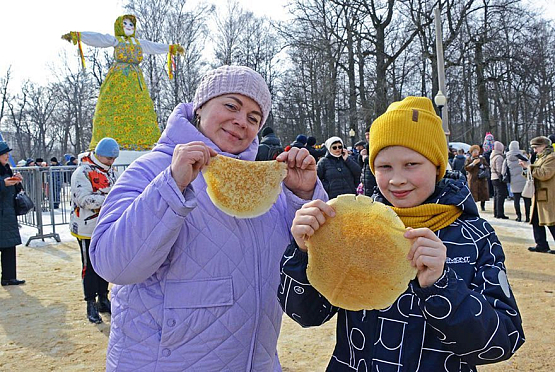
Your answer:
<point x="339" y="173"/>
<point x="543" y="201"/>
<point x="10" y="185"/>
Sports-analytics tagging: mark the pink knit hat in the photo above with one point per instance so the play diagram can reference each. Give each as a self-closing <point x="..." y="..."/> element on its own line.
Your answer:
<point x="234" y="79"/>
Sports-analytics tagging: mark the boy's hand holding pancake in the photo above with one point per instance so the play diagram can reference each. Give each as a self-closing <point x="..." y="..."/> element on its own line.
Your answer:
<point x="308" y="219"/>
<point x="427" y="254"/>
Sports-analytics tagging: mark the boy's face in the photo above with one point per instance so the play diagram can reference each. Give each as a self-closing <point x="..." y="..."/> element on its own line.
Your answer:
<point x="405" y="177"/>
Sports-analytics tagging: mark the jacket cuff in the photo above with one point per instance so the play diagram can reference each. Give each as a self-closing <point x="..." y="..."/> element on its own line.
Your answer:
<point x="182" y="203"/>
<point x="298" y="255"/>
<point x="436" y="288"/>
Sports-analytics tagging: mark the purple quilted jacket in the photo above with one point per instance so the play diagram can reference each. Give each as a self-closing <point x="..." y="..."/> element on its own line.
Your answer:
<point x="195" y="288"/>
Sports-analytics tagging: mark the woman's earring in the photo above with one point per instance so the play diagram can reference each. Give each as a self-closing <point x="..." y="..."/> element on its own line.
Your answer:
<point x="197" y="121"/>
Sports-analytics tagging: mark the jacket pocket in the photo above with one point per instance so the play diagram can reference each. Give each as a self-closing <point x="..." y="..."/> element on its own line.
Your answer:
<point x="542" y="195"/>
<point x="191" y="294"/>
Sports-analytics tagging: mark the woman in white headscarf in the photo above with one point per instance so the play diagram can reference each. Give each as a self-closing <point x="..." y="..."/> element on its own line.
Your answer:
<point x="338" y="172"/>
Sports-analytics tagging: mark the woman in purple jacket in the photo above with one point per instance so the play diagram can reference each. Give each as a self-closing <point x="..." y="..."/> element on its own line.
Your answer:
<point x="195" y="288"/>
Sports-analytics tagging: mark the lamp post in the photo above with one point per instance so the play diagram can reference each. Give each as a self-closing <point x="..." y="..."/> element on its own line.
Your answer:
<point x="352" y="134"/>
<point x="440" y="101"/>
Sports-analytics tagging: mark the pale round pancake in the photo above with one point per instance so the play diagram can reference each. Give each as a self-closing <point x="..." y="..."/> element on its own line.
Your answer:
<point x="358" y="259"/>
<point x="242" y="188"/>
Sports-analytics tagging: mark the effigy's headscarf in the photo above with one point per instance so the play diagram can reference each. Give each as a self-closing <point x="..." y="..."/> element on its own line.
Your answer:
<point x="488" y="142"/>
<point x="118" y="25"/>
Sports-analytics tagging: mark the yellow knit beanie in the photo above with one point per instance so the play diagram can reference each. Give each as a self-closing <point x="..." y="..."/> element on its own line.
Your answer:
<point x="411" y="123"/>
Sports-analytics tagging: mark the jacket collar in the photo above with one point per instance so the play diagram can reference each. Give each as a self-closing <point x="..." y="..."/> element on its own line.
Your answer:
<point x="448" y="192"/>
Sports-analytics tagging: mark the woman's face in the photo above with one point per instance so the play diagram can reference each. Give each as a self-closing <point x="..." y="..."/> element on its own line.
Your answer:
<point x="405" y="177"/>
<point x="336" y="148"/>
<point x="230" y="121"/>
<point x="475" y="153"/>
<point x="128" y="27"/>
<point x="4" y="158"/>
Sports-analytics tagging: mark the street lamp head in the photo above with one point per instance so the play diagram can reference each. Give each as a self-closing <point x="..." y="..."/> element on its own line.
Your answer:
<point x="352" y="133"/>
<point x="440" y="100"/>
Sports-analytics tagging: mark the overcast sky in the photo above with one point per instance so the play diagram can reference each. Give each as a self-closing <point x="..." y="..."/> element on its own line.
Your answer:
<point x="31" y="29"/>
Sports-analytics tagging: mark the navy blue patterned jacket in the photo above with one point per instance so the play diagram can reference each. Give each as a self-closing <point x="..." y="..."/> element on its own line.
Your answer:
<point x="468" y="317"/>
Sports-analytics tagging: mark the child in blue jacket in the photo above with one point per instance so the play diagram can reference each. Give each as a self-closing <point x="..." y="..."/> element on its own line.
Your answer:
<point x="459" y="311"/>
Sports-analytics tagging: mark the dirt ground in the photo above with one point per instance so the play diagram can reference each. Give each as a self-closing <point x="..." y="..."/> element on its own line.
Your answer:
<point x="43" y="325"/>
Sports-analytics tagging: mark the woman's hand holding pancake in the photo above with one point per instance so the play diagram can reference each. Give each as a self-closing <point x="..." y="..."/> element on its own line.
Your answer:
<point x="187" y="161"/>
<point x="427" y="254"/>
<point x="308" y="219"/>
<point x="301" y="172"/>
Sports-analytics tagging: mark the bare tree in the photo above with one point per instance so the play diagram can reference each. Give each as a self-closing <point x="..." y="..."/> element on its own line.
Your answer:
<point x="229" y="30"/>
<point x="4" y="82"/>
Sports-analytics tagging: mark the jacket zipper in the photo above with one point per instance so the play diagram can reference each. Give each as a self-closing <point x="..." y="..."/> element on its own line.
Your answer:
<point x="256" y="248"/>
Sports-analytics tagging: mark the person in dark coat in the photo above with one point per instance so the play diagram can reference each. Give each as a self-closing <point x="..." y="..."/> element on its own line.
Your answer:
<point x="478" y="187"/>
<point x="57" y="179"/>
<point x="337" y="171"/>
<point x="270" y="145"/>
<point x="300" y="141"/>
<point x="10" y="184"/>
<point x="367" y="178"/>
<point x="316" y="153"/>
<point x="458" y="161"/>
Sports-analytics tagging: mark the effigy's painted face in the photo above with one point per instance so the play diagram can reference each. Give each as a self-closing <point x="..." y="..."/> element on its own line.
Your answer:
<point x="128" y="27"/>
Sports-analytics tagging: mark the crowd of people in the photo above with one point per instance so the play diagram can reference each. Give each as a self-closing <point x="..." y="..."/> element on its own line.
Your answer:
<point x="68" y="160"/>
<point x="493" y="171"/>
<point x="195" y="288"/>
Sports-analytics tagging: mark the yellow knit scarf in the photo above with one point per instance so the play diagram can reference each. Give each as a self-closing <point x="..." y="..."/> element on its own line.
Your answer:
<point x="432" y="216"/>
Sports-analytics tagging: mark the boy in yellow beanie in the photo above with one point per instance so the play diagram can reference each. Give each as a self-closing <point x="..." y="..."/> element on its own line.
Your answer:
<point x="459" y="311"/>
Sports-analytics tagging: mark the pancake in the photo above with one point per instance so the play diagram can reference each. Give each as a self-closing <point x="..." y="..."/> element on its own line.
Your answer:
<point x="358" y="259"/>
<point x="243" y="189"/>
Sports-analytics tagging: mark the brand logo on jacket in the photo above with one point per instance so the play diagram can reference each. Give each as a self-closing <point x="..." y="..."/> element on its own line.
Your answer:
<point x="458" y="260"/>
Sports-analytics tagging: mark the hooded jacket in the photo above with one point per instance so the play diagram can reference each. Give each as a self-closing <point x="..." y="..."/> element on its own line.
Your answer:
<point x="496" y="161"/>
<point x="468" y="317"/>
<point x="195" y="287"/>
<point x="90" y="183"/>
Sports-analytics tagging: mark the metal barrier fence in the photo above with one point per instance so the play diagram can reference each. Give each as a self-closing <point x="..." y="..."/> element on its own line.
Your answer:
<point x="50" y="190"/>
